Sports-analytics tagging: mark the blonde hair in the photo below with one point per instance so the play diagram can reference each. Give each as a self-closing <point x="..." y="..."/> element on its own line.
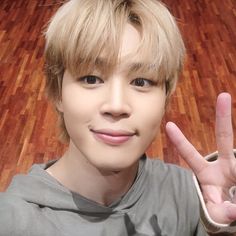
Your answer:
<point x="82" y="30"/>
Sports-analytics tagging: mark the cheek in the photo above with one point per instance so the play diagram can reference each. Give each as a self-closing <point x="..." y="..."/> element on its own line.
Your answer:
<point x="76" y="106"/>
<point x="76" y="117"/>
<point x="152" y="109"/>
<point x="72" y="110"/>
<point x="151" y="116"/>
<point x="153" y="119"/>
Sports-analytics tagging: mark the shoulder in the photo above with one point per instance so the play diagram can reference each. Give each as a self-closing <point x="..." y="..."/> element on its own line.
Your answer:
<point x="173" y="187"/>
<point x="167" y="171"/>
<point x="172" y="180"/>
<point x="14" y="215"/>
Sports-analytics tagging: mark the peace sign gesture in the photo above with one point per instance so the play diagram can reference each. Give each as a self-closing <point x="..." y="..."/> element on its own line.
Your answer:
<point x="218" y="177"/>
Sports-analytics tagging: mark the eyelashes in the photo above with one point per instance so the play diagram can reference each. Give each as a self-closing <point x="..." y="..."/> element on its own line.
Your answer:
<point x="93" y="81"/>
<point x="141" y="82"/>
<point x="90" y="80"/>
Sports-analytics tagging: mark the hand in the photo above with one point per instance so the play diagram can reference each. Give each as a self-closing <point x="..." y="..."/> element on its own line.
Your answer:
<point x="217" y="177"/>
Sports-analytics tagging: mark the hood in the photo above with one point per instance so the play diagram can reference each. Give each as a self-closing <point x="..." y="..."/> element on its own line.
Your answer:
<point x="40" y="188"/>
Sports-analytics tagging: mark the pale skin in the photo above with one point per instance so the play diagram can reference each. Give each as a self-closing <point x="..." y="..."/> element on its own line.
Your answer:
<point x="216" y="177"/>
<point x="105" y="119"/>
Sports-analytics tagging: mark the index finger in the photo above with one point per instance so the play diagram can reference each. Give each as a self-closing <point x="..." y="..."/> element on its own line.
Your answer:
<point x="194" y="159"/>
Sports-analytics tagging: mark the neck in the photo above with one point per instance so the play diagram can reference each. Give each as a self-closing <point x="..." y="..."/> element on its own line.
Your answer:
<point x="102" y="186"/>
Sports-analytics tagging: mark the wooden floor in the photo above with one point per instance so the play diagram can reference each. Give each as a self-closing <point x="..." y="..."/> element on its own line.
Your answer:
<point x="27" y="122"/>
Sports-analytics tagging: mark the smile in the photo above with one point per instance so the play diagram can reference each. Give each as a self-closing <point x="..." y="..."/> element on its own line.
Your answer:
<point x="113" y="137"/>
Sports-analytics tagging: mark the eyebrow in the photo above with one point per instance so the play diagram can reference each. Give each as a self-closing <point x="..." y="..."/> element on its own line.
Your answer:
<point x="143" y="68"/>
<point x="102" y="65"/>
<point x="133" y="67"/>
<point x="101" y="62"/>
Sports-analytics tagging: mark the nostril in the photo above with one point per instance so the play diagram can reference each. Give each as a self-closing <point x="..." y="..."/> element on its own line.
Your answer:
<point x="116" y="109"/>
<point x="116" y="114"/>
<point x="114" y="117"/>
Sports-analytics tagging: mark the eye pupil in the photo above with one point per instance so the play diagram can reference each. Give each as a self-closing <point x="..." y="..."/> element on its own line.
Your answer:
<point x="91" y="79"/>
<point x="139" y="82"/>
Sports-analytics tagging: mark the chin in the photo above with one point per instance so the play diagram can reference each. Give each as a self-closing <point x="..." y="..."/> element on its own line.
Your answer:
<point x="114" y="166"/>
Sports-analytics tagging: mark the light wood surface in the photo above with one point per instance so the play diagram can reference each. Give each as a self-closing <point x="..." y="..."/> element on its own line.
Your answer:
<point x="27" y="121"/>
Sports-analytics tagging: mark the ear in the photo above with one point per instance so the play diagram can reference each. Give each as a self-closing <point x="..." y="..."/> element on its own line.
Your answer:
<point x="59" y="106"/>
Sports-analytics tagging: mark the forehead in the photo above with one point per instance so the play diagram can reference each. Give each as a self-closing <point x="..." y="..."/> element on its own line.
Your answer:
<point x="127" y="50"/>
<point x="130" y="41"/>
<point x="129" y="57"/>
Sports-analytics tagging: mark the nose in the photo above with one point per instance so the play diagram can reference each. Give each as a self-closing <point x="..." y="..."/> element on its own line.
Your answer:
<point x="116" y="103"/>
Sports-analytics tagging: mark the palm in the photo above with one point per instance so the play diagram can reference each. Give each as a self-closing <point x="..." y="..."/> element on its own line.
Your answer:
<point x="217" y="177"/>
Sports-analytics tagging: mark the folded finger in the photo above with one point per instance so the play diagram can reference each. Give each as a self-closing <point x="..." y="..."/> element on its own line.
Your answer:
<point x="223" y="213"/>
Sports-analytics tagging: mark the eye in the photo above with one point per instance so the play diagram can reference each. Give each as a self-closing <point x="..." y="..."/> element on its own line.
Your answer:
<point x="141" y="82"/>
<point x="90" y="79"/>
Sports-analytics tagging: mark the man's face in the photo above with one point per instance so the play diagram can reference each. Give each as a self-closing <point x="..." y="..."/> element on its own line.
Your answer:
<point x="111" y="120"/>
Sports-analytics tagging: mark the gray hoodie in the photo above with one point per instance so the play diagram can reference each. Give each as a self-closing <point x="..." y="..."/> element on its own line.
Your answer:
<point x="161" y="202"/>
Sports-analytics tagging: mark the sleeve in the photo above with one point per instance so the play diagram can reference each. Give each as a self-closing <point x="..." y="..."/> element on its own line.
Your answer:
<point x="6" y="217"/>
<point x="210" y="225"/>
<point x="200" y="230"/>
<point x="11" y="220"/>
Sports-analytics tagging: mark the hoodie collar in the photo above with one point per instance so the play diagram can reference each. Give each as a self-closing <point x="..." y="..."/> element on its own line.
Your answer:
<point x="40" y="188"/>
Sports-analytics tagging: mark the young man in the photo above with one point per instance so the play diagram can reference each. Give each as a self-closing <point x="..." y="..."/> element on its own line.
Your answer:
<point x="111" y="68"/>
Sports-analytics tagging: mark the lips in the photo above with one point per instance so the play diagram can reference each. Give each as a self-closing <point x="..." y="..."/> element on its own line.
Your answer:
<point x="113" y="137"/>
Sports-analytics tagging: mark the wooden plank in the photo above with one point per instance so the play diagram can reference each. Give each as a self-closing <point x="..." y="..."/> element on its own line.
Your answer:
<point x="27" y="122"/>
